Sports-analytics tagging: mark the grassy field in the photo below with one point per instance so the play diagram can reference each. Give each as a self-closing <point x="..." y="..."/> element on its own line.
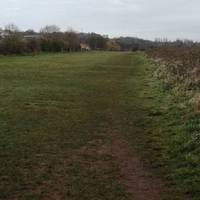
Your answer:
<point x="58" y="115"/>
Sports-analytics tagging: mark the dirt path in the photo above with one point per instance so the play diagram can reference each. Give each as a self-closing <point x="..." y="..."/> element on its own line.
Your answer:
<point x="138" y="181"/>
<point x="134" y="176"/>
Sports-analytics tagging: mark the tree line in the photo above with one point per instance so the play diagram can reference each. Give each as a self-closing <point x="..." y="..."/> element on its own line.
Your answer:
<point x="52" y="39"/>
<point x="49" y="39"/>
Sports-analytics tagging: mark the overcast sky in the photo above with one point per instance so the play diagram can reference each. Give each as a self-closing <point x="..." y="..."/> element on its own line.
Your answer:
<point x="148" y="19"/>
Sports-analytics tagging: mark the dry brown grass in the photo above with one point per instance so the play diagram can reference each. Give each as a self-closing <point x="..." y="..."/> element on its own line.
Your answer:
<point x="179" y="69"/>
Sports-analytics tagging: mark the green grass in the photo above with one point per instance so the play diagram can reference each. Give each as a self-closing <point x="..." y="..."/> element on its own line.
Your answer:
<point x="51" y="107"/>
<point x="55" y="113"/>
<point x="166" y="133"/>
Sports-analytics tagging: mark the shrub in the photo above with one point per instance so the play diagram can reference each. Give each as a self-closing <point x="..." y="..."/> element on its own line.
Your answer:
<point x="112" y="45"/>
<point x="32" y="45"/>
<point x="12" y="44"/>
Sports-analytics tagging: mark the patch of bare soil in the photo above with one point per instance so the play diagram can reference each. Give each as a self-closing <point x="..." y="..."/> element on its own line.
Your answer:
<point x="134" y="176"/>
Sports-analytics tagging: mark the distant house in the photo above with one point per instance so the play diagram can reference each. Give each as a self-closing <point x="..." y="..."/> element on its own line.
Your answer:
<point x="33" y="36"/>
<point x="85" y="47"/>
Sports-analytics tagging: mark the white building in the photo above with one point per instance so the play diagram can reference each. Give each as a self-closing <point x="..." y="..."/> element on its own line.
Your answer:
<point x="85" y="47"/>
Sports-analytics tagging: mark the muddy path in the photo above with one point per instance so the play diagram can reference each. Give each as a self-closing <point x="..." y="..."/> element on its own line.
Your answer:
<point x="134" y="176"/>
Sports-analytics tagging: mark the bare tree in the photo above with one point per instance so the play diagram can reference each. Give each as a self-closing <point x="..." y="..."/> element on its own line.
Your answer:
<point x="71" y="38"/>
<point x="11" y="28"/>
<point x="50" y="29"/>
<point x="30" y="31"/>
<point x="97" y="41"/>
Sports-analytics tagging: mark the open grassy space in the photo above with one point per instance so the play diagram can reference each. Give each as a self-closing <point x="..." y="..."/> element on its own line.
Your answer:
<point x="58" y="115"/>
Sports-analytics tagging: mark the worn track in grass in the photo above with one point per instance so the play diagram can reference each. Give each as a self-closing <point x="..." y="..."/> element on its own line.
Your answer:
<point x="65" y="122"/>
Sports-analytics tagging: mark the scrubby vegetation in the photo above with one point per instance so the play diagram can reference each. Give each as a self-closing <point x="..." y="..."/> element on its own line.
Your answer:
<point x="178" y="70"/>
<point x="183" y="63"/>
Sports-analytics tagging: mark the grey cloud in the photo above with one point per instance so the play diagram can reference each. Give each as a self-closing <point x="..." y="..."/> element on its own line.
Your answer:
<point x="142" y="18"/>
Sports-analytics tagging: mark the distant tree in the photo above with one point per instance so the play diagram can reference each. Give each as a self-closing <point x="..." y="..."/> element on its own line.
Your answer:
<point x="136" y="47"/>
<point x="52" y="42"/>
<point x="11" y="28"/>
<point x="12" y="44"/>
<point x="50" y="29"/>
<point x="12" y="41"/>
<point x="97" y="42"/>
<point x="112" y="45"/>
<point x="1" y="32"/>
<point x="189" y="43"/>
<point x="71" y="40"/>
<point x="30" y="32"/>
<point x="52" y="39"/>
<point x="134" y="44"/>
<point x="32" y="45"/>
